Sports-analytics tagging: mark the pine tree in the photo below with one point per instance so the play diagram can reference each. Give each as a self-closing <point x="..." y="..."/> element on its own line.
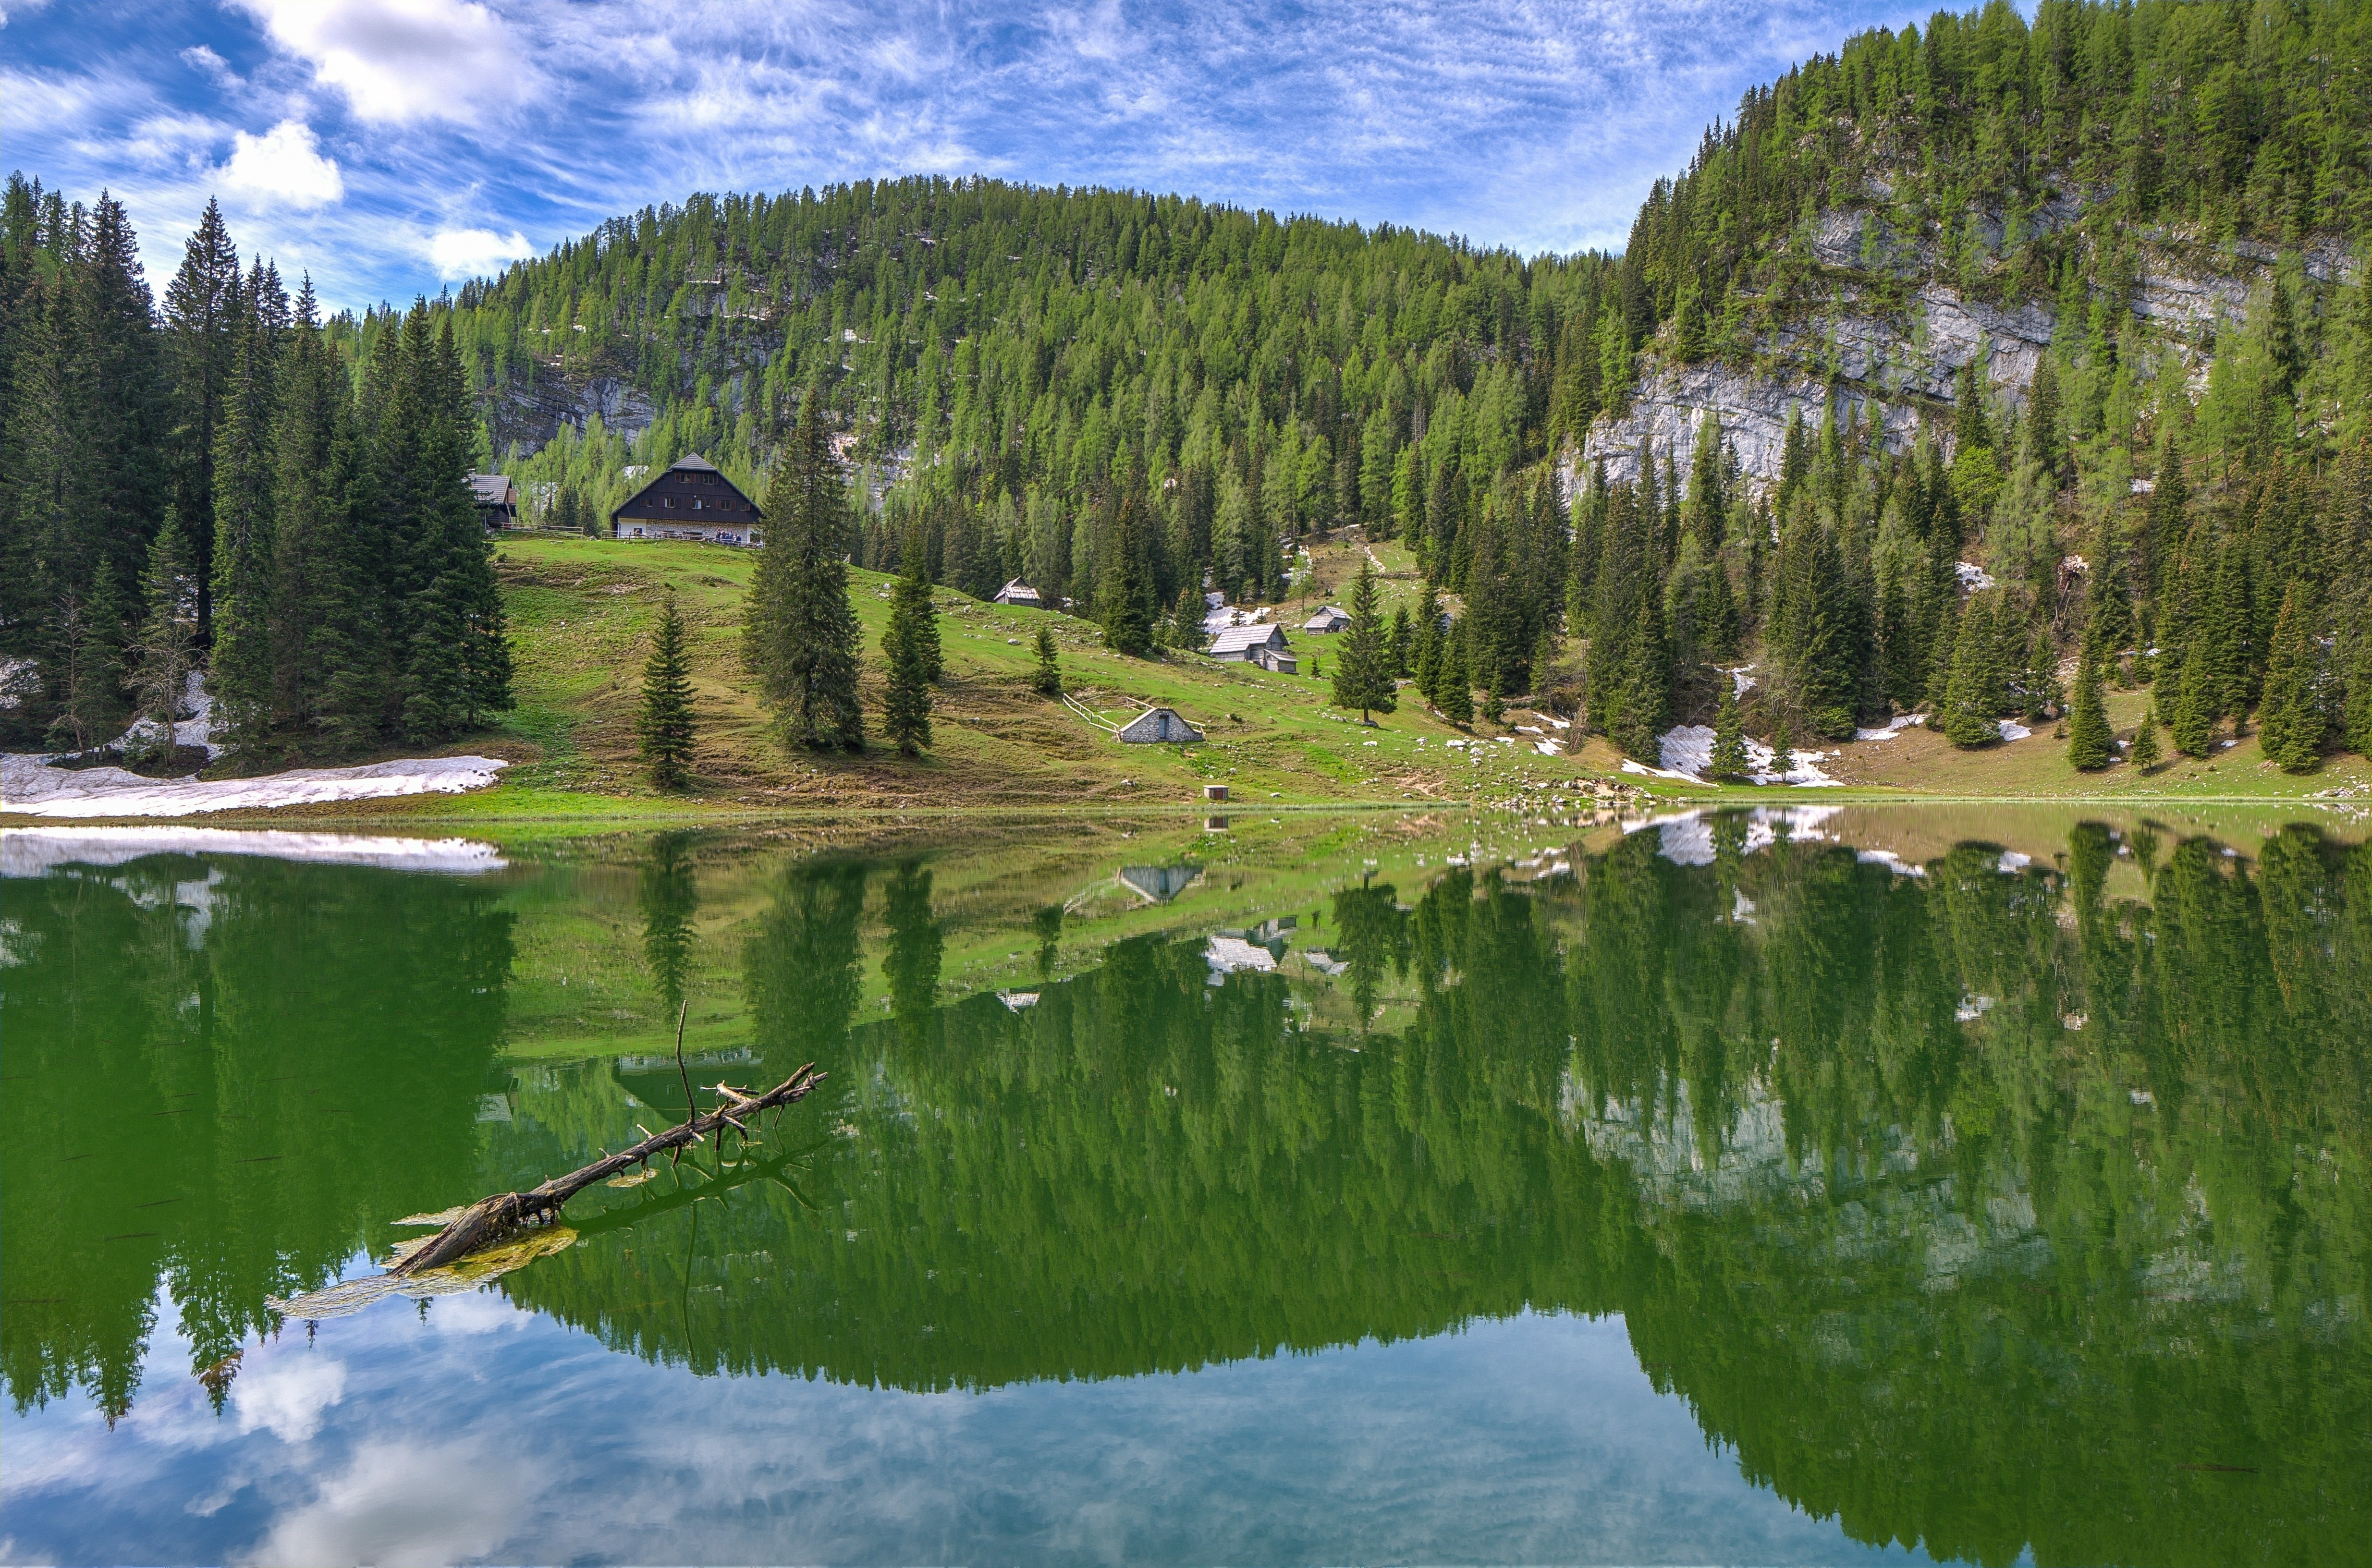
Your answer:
<point x="1048" y="680"/>
<point x="1427" y="654"/>
<point x="1783" y="750"/>
<point x="88" y="671"/>
<point x="2144" y="753"/>
<point x="1453" y="694"/>
<point x="2199" y="703"/>
<point x="799" y="632"/>
<point x="241" y="672"/>
<point x="1401" y="644"/>
<point x="201" y="316"/>
<point x="1971" y="699"/>
<point x="665" y="723"/>
<point x="906" y="647"/>
<point x="167" y="651"/>
<point x="1363" y="677"/>
<point x="1729" y="758"/>
<point x="2090" y="743"/>
<point x="2291" y="721"/>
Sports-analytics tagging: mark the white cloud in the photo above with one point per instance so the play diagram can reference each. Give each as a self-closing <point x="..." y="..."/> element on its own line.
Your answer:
<point x="473" y="252"/>
<point x="403" y="1502"/>
<point x="400" y="60"/>
<point x="284" y="166"/>
<point x="202" y="59"/>
<point x="287" y="1394"/>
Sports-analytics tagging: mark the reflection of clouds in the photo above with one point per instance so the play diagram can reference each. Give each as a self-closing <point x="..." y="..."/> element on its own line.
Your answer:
<point x="403" y="1503"/>
<point x="1532" y="1438"/>
<point x="287" y="1394"/>
<point x="479" y="1312"/>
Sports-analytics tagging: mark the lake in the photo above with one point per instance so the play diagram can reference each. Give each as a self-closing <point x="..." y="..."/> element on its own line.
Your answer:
<point x="1815" y="1185"/>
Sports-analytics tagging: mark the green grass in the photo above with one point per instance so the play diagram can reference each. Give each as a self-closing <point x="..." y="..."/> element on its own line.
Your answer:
<point x="581" y="613"/>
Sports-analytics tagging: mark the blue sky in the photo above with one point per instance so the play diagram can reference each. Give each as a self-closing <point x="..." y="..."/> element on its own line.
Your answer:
<point x="390" y="146"/>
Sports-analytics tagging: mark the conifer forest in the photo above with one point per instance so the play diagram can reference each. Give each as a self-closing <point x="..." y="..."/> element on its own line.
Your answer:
<point x="1128" y="401"/>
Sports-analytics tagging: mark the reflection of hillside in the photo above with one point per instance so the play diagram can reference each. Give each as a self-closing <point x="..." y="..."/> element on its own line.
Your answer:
<point x="1959" y="1282"/>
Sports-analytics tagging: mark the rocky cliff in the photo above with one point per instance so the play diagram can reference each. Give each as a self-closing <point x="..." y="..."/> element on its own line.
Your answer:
<point x="1895" y="331"/>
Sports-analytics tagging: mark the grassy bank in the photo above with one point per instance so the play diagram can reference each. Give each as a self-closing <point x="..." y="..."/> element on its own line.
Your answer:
<point x="582" y="611"/>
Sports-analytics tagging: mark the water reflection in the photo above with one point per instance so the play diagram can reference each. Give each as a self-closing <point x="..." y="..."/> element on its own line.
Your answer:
<point x="1987" y="1201"/>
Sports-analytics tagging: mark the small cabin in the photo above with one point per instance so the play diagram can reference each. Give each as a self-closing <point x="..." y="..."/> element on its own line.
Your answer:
<point x="1262" y="645"/>
<point x="691" y="499"/>
<point x="1334" y="618"/>
<point x="1020" y="593"/>
<point x="496" y="499"/>
<point x="1157" y="725"/>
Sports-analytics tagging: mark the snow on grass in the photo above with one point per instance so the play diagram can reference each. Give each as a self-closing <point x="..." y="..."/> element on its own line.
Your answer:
<point x="1893" y="727"/>
<point x="1687" y="750"/>
<point x="1973" y="577"/>
<point x="29" y="784"/>
<point x="2013" y="730"/>
<point x="35" y="852"/>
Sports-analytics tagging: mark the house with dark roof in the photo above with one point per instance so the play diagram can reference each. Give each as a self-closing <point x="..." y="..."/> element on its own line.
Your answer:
<point x="1334" y="618"/>
<point x="691" y="499"/>
<point x="497" y="500"/>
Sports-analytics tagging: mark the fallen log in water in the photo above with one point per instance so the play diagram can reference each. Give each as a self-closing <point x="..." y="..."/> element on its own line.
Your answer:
<point x="490" y="1219"/>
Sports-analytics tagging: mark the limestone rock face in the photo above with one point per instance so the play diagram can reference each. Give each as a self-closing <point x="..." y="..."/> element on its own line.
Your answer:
<point x="1891" y="366"/>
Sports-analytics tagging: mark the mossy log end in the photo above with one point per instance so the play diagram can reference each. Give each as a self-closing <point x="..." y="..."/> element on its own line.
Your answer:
<point x="490" y="1219"/>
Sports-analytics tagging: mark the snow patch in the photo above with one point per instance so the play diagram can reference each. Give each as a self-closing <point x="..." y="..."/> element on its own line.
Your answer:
<point x="1688" y="751"/>
<point x="2013" y="730"/>
<point x="1892" y="728"/>
<point x="1973" y="577"/>
<point x="35" y="852"/>
<point x="29" y="784"/>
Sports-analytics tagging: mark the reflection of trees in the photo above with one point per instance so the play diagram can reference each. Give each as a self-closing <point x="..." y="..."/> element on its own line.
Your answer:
<point x="1945" y="1280"/>
<point x="799" y="966"/>
<point x="297" y="1054"/>
<point x="915" y="944"/>
<point x="669" y="893"/>
<point x="1370" y="934"/>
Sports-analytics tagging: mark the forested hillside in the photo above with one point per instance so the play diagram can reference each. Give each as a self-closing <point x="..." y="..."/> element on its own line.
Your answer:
<point x="2062" y="329"/>
<point x="1968" y="371"/>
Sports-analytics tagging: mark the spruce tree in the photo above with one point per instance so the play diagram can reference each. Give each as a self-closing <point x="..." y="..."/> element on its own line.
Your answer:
<point x="1783" y="750"/>
<point x="1454" y="690"/>
<point x="1729" y="760"/>
<point x="2090" y="743"/>
<point x="2291" y="721"/>
<point x="2198" y="704"/>
<point x="1970" y="704"/>
<point x="241" y="672"/>
<point x="202" y="315"/>
<point x="664" y="722"/>
<point x="1401" y="644"/>
<point x="1363" y="677"/>
<point x="88" y="671"/>
<point x="1427" y="654"/>
<point x="2144" y="753"/>
<point x="906" y="648"/>
<point x="1048" y="679"/>
<point x="799" y="637"/>
<point x="167" y="651"/>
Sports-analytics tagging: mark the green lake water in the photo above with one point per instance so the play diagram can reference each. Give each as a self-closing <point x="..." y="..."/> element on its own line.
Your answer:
<point x="1815" y="1186"/>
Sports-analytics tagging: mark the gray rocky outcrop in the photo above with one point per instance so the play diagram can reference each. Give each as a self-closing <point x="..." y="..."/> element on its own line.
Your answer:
<point x="1893" y="366"/>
